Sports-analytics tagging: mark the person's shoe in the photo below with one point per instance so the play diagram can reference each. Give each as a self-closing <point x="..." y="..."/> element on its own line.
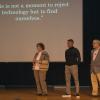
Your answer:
<point x="77" y="95"/>
<point x="94" y="95"/>
<point x="39" y="94"/>
<point x="66" y="96"/>
<point x="44" y="94"/>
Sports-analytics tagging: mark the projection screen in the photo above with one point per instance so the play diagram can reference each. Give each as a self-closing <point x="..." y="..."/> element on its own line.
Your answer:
<point x="23" y="23"/>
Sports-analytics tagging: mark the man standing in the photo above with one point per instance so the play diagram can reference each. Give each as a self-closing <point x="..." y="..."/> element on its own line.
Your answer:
<point x="95" y="66"/>
<point x="72" y="56"/>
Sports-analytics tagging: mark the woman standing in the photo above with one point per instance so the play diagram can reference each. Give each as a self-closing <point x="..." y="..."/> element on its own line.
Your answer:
<point x="40" y="67"/>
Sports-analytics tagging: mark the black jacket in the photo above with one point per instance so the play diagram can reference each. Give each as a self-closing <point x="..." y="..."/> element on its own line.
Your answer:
<point x="72" y="56"/>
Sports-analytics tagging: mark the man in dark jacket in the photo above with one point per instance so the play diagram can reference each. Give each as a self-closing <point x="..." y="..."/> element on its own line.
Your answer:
<point x="72" y="56"/>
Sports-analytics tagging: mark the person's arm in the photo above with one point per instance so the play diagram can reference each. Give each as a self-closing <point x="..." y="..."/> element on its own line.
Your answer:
<point x="65" y="55"/>
<point x="46" y="58"/>
<point x="34" y="59"/>
<point x="78" y="56"/>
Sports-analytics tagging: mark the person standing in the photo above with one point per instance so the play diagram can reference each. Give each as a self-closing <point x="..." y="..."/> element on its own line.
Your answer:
<point x="95" y="66"/>
<point x="72" y="56"/>
<point x="40" y="67"/>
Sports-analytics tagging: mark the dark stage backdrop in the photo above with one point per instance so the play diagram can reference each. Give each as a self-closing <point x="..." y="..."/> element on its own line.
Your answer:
<point x="20" y="74"/>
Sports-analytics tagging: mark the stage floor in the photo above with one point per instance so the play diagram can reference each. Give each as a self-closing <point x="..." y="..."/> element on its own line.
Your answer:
<point x="53" y="94"/>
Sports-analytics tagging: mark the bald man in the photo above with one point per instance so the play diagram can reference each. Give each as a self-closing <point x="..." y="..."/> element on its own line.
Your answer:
<point x="95" y="66"/>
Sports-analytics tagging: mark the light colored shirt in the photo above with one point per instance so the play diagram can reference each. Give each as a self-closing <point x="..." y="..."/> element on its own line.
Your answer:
<point x="95" y="54"/>
<point x="37" y="65"/>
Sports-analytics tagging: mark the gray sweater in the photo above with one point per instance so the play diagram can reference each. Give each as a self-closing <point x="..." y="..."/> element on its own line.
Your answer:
<point x="44" y="61"/>
<point x="95" y="65"/>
